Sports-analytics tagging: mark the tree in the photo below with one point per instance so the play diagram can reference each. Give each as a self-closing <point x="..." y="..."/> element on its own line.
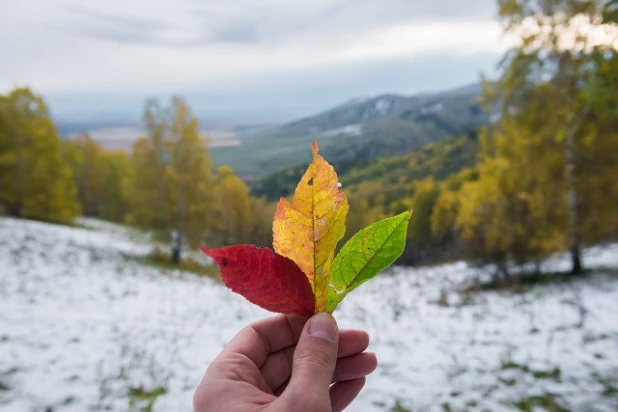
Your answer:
<point x="36" y="182"/>
<point x="262" y="213"/>
<point x="115" y="203"/>
<point x="443" y="218"/>
<point x="234" y="207"/>
<point x="554" y="62"/>
<point x="147" y="189"/>
<point x="87" y="160"/>
<point x="193" y="188"/>
<point x="170" y="185"/>
<point x="504" y="216"/>
<point x="426" y="194"/>
<point x="359" y="217"/>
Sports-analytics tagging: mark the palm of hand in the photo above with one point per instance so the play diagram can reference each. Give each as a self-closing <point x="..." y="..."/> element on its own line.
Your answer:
<point x="262" y="369"/>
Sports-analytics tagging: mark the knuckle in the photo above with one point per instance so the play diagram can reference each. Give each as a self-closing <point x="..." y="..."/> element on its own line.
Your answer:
<point x="320" y="359"/>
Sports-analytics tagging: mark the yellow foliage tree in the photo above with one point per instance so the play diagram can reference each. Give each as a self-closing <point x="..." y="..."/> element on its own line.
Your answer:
<point x="426" y="194"/>
<point x="233" y="208"/>
<point x="262" y="213"/>
<point x="115" y="204"/>
<point x="170" y="186"/>
<point x="87" y="160"/>
<point x="554" y="92"/>
<point x="36" y="182"/>
<point x="444" y="216"/>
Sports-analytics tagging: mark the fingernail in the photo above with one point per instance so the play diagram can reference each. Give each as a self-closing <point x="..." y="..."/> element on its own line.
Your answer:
<point x="323" y="326"/>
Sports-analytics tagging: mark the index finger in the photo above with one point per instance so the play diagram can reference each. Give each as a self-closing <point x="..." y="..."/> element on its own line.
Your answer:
<point x="266" y="336"/>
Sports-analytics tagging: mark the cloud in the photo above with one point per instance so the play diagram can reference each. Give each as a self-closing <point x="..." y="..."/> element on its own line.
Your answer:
<point x="268" y="22"/>
<point x="295" y="94"/>
<point x="122" y="28"/>
<point x="226" y="47"/>
<point x="110" y="26"/>
<point x="237" y="32"/>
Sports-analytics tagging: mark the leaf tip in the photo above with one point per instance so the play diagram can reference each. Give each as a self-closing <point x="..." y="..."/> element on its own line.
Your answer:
<point x="280" y="210"/>
<point x="314" y="148"/>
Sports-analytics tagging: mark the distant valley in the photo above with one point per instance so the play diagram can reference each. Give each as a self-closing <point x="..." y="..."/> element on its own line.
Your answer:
<point x="122" y="138"/>
<point x="362" y="128"/>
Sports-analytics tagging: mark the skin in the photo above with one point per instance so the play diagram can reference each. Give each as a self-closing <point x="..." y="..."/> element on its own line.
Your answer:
<point x="287" y="363"/>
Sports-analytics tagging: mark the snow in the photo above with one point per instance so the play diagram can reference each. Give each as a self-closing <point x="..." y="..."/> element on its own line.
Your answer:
<point x="383" y="105"/>
<point x="80" y="323"/>
<point x="436" y="107"/>
<point x="355" y="101"/>
<point x="349" y="130"/>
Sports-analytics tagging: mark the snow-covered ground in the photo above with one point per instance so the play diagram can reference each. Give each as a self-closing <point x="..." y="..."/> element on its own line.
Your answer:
<point x="80" y="324"/>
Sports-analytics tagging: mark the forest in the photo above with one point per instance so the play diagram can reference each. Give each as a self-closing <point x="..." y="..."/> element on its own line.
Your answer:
<point x="540" y="179"/>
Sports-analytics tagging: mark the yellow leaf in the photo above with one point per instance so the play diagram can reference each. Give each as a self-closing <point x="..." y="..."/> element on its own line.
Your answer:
<point x="307" y="230"/>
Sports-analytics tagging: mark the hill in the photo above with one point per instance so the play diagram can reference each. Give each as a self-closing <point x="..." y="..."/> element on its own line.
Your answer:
<point x="108" y="332"/>
<point x="361" y="129"/>
<point x="391" y="176"/>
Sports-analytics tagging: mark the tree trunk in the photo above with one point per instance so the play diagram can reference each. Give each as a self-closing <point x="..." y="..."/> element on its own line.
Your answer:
<point x="572" y="196"/>
<point x="176" y="255"/>
<point x="21" y="176"/>
<point x="573" y="231"/>
<point x="177" y="236"/>
<point x="176" y="247"/>
<point x="15" y="210"/>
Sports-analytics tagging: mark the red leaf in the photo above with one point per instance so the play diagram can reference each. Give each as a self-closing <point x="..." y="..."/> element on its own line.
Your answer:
<point x="271" y="281"/>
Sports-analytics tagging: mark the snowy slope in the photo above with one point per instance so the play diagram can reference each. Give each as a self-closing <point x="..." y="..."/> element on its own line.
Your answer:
<point x="79" y="324"/>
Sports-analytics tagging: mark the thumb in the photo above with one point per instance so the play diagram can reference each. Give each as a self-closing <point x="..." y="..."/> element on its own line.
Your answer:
<point x="314" y="362"/>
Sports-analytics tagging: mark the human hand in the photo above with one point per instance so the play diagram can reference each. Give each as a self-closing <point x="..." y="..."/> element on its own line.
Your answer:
<point x="287" y="363"/>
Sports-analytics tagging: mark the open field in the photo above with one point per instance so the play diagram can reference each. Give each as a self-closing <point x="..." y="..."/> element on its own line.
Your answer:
<point x="84" y="328"/>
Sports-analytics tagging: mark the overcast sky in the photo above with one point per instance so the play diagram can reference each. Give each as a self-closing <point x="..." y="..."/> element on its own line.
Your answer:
<point x="241" y="57"/>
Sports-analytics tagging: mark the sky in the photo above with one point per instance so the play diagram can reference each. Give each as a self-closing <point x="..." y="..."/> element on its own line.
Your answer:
<point x="241" y="58"/>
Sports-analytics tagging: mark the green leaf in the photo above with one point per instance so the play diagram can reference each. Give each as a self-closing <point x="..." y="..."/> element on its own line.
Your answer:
<point x="365" y="255"/>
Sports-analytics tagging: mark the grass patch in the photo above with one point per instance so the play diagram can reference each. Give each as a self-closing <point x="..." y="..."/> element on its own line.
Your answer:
<point x="550" y="374"/>
<point x="162" y="261"/>
<point x="554" y="373"/>
<point x="514" y="365"/>
<point x="508" y="382"/>
<point x="398" y="407"/>
<point x="610" y="392"/>
<point x="525" y="281"/>
<point x="68" y="400"/>
<point x="145" y="399"/>
<point x="547" y="402"/>
<point x="76" y="225"/>
<point x="590" y="337"/>
<point x="610" y="386"/>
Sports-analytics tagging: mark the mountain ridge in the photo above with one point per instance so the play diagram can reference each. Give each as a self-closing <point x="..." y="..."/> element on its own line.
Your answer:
<point x="361" y="128"/>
